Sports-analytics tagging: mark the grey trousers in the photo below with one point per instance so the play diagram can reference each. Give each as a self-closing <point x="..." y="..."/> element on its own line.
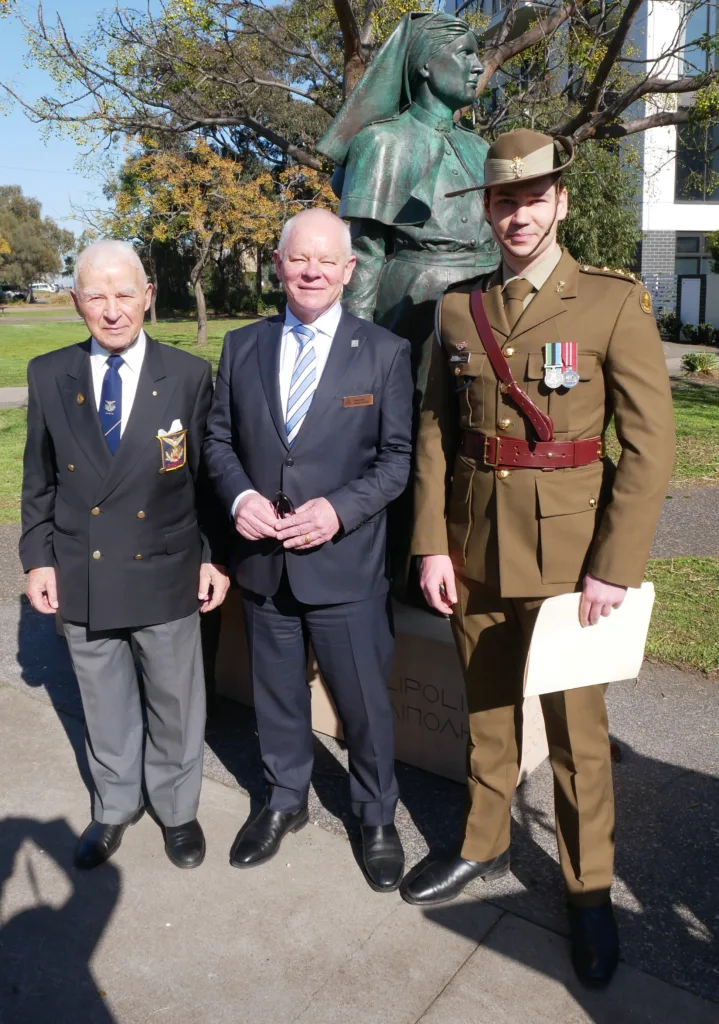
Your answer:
<point x="174" y="690"/>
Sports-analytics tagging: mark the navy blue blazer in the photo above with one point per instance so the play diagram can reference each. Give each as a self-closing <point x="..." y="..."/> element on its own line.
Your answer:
<point x="126" y="538"/>
<point x="356" y="456"/>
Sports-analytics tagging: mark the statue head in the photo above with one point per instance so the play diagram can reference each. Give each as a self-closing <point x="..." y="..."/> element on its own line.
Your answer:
<point x="445" y="64"/>
<point x="436" y="53"/>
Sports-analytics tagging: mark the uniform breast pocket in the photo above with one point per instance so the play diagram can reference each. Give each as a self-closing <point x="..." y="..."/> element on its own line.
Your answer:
<point x="567" y="505"/>
<point x="468" y="379"/>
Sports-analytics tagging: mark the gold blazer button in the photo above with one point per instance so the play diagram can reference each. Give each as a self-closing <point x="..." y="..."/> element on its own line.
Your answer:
<point x="95" y="511"/>
<point x="71" y="467"/>
<point x="96" y="555"/>
<point x="140" y="514"/>
<point x="504" y="424"/>
<point x="138" y="558"/>
<point x="509" y="351"/>
<point x="503" y="474"/>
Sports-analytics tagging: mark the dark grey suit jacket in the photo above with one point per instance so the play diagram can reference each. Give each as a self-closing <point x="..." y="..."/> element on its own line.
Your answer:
<point x="358" y="457"/>
<point x="69" y="472"/>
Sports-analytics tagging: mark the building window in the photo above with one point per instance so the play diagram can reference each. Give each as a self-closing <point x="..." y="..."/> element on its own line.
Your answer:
<point x="697" y="167"/>
<point x="692" y="255"/>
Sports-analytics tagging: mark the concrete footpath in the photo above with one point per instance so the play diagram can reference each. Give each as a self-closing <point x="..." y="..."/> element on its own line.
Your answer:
<point x="302" y="940"/>
<point x="305" y="939"/>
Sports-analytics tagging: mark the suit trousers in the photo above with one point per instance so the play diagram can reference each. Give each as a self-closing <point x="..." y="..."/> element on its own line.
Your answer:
<point x="492" y="635"/>
<point x="174" y="700"/>
<point x="354" y="645"/>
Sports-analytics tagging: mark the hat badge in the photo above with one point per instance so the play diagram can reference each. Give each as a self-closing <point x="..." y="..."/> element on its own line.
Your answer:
<point x="517" y="167"/>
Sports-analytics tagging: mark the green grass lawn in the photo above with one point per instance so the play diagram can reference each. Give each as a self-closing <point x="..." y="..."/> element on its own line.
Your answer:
<point x="12" y="444"/>
<point x="19" y="342"/>
<point x="685" y="623"/>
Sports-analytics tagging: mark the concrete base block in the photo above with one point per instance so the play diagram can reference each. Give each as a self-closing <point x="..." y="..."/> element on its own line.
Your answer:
<point x="427" y="691"/>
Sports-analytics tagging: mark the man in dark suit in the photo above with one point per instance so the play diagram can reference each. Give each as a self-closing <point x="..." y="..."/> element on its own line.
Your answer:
<point x="308" y="440"/>
<point x="111" y="538"/>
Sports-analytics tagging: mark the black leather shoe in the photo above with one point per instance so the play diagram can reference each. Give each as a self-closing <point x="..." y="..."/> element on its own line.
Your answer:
<point x="98" y="842"/>
<point x="383" y="857"/>
<point x="185" y="844"/>
<point x="444" y="880"/>
<point x="595" y="944"/>
<point x="259" y="841"/>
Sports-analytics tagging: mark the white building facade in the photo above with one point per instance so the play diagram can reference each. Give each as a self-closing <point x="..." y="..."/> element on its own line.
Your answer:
<point x="679" y="198"/>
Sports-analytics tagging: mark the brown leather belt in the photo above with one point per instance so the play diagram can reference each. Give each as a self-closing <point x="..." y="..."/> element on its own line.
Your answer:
<point x="514" y="453"/>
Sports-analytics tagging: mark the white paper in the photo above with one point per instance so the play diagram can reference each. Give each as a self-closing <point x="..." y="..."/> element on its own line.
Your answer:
<point x="563" y="655"/>
<point x="174" y="427"/>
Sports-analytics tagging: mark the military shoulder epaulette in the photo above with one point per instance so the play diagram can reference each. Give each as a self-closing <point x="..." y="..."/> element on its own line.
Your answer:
<point x="623" y="275"/>
<point x="468" y="284"/>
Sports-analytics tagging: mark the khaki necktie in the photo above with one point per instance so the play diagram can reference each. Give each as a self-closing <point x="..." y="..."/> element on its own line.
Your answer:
<point x="514" y="294"/>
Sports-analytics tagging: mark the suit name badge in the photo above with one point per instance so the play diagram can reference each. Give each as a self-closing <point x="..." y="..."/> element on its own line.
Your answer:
<point x="173" y="446"/>
<point x="352" y="401"/>
<point x="560" y="364"/>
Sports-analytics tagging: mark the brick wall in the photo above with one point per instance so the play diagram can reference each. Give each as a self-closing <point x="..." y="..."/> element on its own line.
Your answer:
<point x="658" y="254"/>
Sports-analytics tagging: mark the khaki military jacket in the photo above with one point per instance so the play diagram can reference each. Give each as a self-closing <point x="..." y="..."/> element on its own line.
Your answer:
<point x="529" y="532"/>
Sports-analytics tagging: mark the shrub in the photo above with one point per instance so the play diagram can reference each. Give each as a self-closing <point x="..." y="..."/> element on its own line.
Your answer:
<point x="690" y="333"/>
<point x="700" y="362"/>
<point x="668" y="324"/>
<point x="706" y="335"/>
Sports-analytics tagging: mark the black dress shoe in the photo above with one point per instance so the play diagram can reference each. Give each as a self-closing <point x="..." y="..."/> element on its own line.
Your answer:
<point x="98" y="842"/>
<point x="259" y="841"/>
<point x="595" y="944"/>
<point x="383" y="857"/>
<point x="185" y="844"/>
<point x="444" y="880"/>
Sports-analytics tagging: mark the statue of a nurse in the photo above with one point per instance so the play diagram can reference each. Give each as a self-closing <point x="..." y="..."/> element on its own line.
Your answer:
<point x="398" y="152"/>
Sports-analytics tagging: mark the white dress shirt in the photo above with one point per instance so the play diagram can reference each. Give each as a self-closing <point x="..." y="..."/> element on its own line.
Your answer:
<point x="129" y="373"/>
<point x="325" y="327"/>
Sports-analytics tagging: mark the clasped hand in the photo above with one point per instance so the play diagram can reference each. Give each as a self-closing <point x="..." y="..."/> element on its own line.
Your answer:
<point x="310" y="525"/>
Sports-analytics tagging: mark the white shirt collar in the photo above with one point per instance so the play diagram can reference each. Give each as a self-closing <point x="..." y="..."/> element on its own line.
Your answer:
<point x="133" y="356"/>
<point x="327" y="323"/>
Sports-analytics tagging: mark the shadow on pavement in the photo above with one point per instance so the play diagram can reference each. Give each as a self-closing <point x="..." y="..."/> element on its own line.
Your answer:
<point x="46" y="948"/>
<point x="666" y="897"/>
<point x="44" y="661"/>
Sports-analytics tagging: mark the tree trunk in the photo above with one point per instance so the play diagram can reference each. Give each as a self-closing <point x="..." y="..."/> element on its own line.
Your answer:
<point x="196" y="282"/>
<point x="153" y="280"/>
<point x="258" y="272"/>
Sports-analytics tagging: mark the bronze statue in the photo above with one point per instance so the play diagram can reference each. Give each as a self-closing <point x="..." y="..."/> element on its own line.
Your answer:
<point x="398" y="152"/>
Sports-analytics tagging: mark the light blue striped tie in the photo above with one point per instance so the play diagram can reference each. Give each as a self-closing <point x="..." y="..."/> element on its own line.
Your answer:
<point x="303" y="383"/>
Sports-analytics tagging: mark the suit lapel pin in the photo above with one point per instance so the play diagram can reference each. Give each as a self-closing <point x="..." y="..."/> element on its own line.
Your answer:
<point x="460" y="346"/>
<point x="560" y="287"/>
<point x="354" y="343"/>
<point x="154" y="394"/>
<point x="80" y="398"/>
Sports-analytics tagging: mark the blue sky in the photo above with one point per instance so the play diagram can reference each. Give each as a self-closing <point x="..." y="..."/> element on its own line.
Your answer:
<point x="44" y="169"/>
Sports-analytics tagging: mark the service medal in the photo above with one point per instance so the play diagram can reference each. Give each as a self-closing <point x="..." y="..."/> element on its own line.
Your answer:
<point x="570" y="376"/>
<point x="553" y="365"/>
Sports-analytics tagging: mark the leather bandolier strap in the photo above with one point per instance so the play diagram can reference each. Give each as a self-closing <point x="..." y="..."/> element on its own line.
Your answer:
<point x="542" y="423"/>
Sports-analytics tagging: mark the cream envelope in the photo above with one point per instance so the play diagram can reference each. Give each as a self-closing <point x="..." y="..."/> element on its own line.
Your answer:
<point x="563" y="655"/>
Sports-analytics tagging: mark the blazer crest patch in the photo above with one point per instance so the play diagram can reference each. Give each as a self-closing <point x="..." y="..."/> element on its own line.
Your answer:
<point x="174" y="449"/>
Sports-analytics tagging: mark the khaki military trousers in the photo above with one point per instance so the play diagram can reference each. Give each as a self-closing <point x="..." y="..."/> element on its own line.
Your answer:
<point x="492" y="636"/>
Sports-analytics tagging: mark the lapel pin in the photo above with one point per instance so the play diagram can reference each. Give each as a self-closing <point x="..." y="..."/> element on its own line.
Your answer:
<point x="354" y="343"/>
<point x="154" y="394"/>
<point x="80" y="398"/>
<point x="560" y="287"/>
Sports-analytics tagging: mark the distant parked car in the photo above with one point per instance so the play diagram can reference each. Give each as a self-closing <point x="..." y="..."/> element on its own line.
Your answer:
<point x="11" y="292"/>
<point x="43" y="286"/>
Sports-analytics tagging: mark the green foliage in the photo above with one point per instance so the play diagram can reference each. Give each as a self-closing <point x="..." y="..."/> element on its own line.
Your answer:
<point x="602" y="227"/>
<point x="700" y="362"/>
<point x="685" y="621"/>
<point x="668" y="324"/>
<point x="700" y="334"/>
<point x="34" y="245"/>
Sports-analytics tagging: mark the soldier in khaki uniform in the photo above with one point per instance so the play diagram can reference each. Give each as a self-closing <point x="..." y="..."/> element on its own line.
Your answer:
<point x="505" y="520"/>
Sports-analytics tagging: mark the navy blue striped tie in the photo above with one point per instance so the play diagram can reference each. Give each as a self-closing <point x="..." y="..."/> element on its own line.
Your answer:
<point x="110" y="410"/>
<point x="303" y="383"/>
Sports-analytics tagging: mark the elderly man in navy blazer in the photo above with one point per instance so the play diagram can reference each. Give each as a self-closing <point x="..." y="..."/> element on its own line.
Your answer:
<point x="308" y="441"/>
<point x="118" y="535"/>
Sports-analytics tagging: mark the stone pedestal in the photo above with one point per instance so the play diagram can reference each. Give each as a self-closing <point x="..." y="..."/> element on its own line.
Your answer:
<point x="427" y="690"/>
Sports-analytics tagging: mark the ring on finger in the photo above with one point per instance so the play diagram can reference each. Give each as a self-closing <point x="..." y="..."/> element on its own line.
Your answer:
<point x="307" y="538"/>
